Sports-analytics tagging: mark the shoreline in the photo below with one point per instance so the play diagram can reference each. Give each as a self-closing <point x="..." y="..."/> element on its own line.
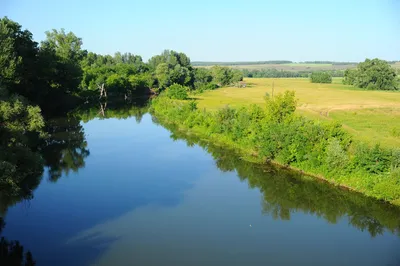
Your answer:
<point x="250" y="157"/>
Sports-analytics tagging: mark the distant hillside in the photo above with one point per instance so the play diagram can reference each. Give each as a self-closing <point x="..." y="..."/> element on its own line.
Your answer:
<point x="272" y="62"/>
<point x="279" y="62"/>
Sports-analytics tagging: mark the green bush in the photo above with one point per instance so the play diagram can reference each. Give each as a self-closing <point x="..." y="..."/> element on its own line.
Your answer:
<point x="177" y="91"/>
<point x="336" y="157"/>
<point x="375" y="160"/>
<point x="320" y="77"/>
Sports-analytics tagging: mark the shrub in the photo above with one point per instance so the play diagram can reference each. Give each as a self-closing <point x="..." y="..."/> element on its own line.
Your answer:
<point x="336" y="157"/>
<point x="321" y="77"/>
<point x="375" y="160"/>
<point x="177" y="91"/>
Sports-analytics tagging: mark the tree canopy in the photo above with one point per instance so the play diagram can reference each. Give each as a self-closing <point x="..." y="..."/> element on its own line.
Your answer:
<point x="372" y="74"/>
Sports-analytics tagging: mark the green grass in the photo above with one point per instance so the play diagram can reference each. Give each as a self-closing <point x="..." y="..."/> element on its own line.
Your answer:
<point x="371" y="116"/>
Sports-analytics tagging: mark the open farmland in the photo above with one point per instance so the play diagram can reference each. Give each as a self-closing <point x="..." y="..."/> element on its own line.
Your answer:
<point x="371" y="116"/>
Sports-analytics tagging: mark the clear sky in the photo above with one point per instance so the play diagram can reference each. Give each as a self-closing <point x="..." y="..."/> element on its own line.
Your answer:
<point x="222" y="30"/>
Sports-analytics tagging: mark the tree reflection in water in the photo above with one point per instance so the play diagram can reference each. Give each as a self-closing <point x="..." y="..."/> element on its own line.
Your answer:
<point x="286" y="192"/>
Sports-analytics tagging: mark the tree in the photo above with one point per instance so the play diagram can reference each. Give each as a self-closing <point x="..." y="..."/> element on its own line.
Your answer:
<point x="61" y="53"/>
<point x="372" y="74"/>
<point x="177" y="91"/>
<point x="350" y="76"/>
<point x="281" y="107"/>
<point x="320" y="77"/>
<point x="18" y="60"/>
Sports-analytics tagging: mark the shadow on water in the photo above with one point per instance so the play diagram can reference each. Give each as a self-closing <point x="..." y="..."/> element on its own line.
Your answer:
<point x="286" y="192"/>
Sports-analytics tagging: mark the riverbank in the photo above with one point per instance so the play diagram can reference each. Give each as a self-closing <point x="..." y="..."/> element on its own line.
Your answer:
<point x="321" y="150"/>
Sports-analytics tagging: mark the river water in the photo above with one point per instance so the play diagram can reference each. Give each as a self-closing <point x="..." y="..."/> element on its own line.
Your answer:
<point x="124" y="190"/>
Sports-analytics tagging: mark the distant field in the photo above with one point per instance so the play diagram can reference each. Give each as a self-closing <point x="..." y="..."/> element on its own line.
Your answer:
<point x="372" y="116"/>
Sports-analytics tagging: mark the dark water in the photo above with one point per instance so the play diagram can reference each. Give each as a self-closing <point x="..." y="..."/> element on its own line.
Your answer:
<point x="126" y="191"/>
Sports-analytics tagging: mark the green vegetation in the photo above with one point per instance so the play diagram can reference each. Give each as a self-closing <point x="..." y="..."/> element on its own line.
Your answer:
<point x="274" y="73"/>
<point x="274" y="132"/>
<point x="320" y="77"/>
<point x="369" y="116"/>
<point x="285" y="192"/>
<point x="176" y="91"/>
<point x="37" y="81"/>
<point x="274" y="62"/>
<point x="372" y="74"/>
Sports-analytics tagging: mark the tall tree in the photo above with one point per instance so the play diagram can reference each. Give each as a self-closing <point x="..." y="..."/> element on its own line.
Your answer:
<point x="18" y="60"/>
<point x="62" y="54"/>
<point x="372" y="74"/>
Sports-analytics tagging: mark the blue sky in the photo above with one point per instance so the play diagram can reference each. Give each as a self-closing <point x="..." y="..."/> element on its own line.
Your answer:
<point x="219" y="30"/>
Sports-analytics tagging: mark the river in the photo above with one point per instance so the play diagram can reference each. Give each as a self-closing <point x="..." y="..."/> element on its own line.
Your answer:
<point x="124" y="190"/>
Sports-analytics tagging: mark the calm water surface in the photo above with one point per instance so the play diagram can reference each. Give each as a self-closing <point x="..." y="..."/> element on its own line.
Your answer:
<point x="138" y="194"/>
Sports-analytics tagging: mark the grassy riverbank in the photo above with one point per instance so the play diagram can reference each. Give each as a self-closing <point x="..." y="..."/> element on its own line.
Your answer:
<point x="275" y="132"/>
<point x="370" y="116"/>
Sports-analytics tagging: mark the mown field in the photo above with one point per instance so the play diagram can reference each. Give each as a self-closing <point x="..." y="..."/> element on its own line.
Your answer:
<point x="371" y="116"/>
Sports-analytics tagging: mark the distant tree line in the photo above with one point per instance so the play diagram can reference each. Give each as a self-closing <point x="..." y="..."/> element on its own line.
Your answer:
<point x="270" y="62"/>
<point x="329" y="62"/>
<point x="274" y="73"/>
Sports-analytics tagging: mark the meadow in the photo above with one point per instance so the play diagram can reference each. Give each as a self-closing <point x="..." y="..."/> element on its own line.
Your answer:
<point x="370" y="116"/>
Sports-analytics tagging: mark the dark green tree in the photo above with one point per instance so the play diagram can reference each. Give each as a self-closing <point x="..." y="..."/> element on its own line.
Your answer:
<point x="372" y="74"/>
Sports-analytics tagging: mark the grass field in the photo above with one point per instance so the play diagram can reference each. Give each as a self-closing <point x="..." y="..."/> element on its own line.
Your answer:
<point x="371" y="116"/>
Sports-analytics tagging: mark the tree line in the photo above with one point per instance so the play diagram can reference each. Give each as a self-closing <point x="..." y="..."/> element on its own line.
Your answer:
<point x="269" y="62"/>
<point x="39" y="81"/>
<point x="275" y="73"/>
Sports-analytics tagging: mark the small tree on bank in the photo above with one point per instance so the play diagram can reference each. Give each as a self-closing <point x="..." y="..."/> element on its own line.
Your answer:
<point x="320" y="77"/>
<point x="177" y="91"/>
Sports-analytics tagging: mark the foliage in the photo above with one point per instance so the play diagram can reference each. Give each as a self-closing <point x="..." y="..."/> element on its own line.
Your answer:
<point x="224" y="76"/>
<point x="276" y="133"/>
<point x="20" y="124"/>
<point x="336" y="157"/>
<point x="274" y="73"/>
<point x="177" y="91"/>
<point x="320" y="77"/>
<point x="372" y="74"/>
<point x="281" y="107"/>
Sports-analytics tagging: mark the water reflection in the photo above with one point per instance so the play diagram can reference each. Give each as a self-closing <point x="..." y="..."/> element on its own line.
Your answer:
<point x="12" y="252"/>
<point x="65" y="149"/>
<point x="135" y="107"/>
<point x="143" y="195"/>
<point x="286" y="192"/>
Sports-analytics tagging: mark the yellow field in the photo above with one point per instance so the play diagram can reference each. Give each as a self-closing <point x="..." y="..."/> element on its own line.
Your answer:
<point x="372" y="116"/>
